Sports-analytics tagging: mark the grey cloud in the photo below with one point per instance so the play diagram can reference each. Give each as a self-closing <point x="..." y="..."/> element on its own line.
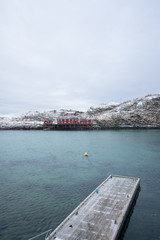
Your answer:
<point x="59" y="54"/>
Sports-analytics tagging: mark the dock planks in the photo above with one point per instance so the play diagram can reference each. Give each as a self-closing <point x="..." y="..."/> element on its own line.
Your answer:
<point x="102" y="214"/>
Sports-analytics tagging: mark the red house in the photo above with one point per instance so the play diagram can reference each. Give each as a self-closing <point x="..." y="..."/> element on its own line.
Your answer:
<point x="48" y="122"/>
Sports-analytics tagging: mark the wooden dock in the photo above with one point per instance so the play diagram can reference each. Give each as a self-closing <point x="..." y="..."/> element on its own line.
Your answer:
<point x="102" y="214"/>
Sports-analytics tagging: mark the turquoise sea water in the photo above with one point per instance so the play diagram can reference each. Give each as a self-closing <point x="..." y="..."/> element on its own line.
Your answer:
<point x="44" y="176"/>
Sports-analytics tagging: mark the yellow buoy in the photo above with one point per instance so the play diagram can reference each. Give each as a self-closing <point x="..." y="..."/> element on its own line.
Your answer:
<point x="86" y="154"/>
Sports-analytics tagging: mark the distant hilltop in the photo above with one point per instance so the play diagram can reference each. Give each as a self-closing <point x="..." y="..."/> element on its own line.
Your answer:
<point x="137" y="113"/>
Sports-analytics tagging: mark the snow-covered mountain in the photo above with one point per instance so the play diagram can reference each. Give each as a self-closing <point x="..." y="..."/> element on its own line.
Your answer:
<point x="139" y="113"/>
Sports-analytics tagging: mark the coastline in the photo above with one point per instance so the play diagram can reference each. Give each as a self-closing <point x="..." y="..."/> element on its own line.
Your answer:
<point x="30" y="128"/>
<point x="140" y="113"/>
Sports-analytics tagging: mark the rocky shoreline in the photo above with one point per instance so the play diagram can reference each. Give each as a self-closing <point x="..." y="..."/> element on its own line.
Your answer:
<point x="140" y="113"/>
<point x="23" y="128"/>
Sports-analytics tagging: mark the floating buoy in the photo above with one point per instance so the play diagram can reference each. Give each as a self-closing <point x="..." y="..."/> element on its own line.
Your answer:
<point x="86" y="154"/>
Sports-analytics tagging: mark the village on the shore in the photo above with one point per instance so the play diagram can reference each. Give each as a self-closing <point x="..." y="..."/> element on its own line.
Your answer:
<point x="137" y="113"/>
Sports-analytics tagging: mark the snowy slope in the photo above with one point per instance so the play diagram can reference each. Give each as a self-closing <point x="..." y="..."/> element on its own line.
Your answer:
<point x="140" y="112"/>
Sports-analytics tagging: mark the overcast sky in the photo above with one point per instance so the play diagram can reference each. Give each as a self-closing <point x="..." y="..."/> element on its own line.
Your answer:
<point x="77" y="53"/>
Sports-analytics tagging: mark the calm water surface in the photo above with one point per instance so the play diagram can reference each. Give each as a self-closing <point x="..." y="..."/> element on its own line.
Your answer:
<point x="44" y="176"/>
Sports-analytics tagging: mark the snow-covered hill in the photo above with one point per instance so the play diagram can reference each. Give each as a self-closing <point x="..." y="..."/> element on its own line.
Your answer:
<point x="139" y="113"/>
<point x="35" y="119"/>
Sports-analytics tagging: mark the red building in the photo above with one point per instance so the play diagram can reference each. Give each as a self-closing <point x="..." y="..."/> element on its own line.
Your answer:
<point x="48" y="122"/>
<point x="69" y="121"/>
<point x="85" y="122"/>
